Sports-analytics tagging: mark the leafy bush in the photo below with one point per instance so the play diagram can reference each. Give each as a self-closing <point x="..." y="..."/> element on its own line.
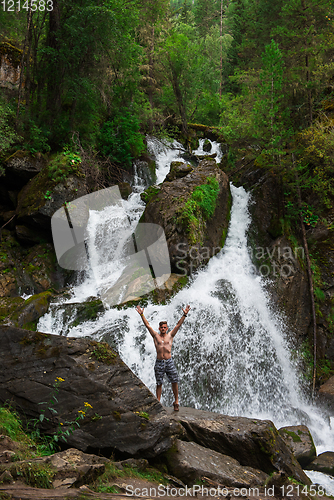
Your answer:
<point x="63" y="165"/>
<point x="315" y="160"/>
<point x="120" y="139"/>
<point x="37" y="139"/>
<point x="8" y="136"/>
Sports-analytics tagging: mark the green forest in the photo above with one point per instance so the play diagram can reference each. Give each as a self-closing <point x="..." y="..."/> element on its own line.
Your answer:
<point x="106" y="72"/>
<point x="99" y="75"/>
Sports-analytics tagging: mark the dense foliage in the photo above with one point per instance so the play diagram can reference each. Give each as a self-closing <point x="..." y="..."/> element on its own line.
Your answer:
<point x="106" y="71"/>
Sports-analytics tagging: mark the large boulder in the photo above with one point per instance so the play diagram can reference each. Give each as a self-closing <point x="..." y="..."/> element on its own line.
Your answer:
<point x="28" y="270"/>
<point x="323" y="463"/>
<point x="43" y="196"/>
<point x="21" y="167"/>
<point x="190" y="462"/>
<point x="299" y="438"/>
<point x="194" y="213"/>
<point x="253" y="442"/>
<point x="27" y="314"/>
<point x="326" y="394"/>
<point x="125" y="416"/>
<point x="67" y="468"/>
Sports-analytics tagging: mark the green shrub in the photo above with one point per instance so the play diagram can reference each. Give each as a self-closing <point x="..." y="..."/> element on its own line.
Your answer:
<point x="36" y="139"/>
<point x="8" y="136"/>
<point x="199" y="208"/>
<point x="63" y="165"/>
<point x="120" y="139"/>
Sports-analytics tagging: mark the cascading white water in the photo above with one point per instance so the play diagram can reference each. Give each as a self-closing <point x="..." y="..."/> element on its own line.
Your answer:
<point x="231" y="352"/>
<point x="164" y="153"/>
<point x="215" y="149"/>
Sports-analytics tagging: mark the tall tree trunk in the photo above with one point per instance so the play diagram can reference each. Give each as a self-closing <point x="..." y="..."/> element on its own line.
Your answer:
<point x="309" y="95"/>
<point x="307" y="66"/>
<point x="27" y="42"/>
<point x="179" y="100"/>
<point x="221" y="49"/>
<point x="151" y="70"/>
<point x="53" y="84"/>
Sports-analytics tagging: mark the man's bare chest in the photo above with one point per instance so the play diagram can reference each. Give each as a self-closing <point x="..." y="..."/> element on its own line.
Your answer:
<point x="164" y="341"/>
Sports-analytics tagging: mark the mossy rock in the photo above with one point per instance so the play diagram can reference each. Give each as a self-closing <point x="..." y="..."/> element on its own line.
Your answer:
<point x="28" y="313"/>
<point x="14" y="54"/>
<point x="87" y="311"/>
<point x="149" y="194"/>
<point x="162" y="295"/>
<point x="8" y="306"/>
<point x="55" y="185"/>
<point x="32" y="197"/>
<point x="178" y="170"/>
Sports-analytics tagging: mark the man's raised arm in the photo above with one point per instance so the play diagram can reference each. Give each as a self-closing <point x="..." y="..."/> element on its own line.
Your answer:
<point x="140" y="311"/>
<point x="181" y="320"/>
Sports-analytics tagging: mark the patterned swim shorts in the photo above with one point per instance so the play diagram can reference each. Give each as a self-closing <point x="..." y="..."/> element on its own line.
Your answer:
<point x="167" y="366"/>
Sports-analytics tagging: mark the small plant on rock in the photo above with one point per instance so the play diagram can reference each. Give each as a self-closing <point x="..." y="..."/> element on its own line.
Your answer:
<point x="65" y="429"/>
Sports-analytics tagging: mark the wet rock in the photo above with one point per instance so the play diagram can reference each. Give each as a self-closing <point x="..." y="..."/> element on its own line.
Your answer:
<point x="21" y="167"/>
<point x="28" y="235"/>
<point x="178" y="170"/>
<point x="326" y="394"/>
<point x="207" y="146"/>
<point x="125" y="416"/>
<point x="288" y="286"/>
<point x="299" y="438"/>
<point x="74" y="313"/>
<point x="253" y="442"/>
<point x="191" y="239"/>
<point x="190" y="462"/>
<point x="323" y="463"/>
<point x="125" y="190"/>
<point x="27" y="314"/>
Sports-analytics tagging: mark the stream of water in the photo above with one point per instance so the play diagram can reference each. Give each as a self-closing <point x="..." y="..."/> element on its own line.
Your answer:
<point x="231" y="352"/>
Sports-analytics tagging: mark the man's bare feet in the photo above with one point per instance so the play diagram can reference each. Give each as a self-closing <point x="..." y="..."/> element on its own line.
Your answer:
<point x="176" y="406"/>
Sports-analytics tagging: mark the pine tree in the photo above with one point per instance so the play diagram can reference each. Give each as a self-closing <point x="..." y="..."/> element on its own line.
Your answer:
<point x="270" y="118"/>
<point x="305" y="34"/>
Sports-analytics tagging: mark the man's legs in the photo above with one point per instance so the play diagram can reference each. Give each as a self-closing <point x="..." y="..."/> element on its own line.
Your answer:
<point x="175" y="388"/>
<point x="159" y="390"/>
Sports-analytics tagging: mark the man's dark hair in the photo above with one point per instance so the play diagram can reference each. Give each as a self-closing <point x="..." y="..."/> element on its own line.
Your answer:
<point x="162" y="323"/>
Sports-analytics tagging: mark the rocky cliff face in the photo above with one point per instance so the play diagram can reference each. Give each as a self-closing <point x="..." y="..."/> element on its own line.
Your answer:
<point x="193" y="208"/>
<point x="119" y="413"/>
<point x="10" y="59"/>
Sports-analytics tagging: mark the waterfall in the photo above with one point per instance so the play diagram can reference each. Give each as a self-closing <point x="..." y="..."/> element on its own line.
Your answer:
<point x="215" y="149"/>
<point x="231" y="352"/>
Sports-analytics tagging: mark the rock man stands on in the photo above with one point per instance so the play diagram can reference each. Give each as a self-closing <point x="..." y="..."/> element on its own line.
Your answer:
<point x="163" y="344"/>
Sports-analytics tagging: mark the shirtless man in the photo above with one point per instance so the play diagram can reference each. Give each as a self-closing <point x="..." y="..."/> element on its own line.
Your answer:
<point x="163" y="345"/>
